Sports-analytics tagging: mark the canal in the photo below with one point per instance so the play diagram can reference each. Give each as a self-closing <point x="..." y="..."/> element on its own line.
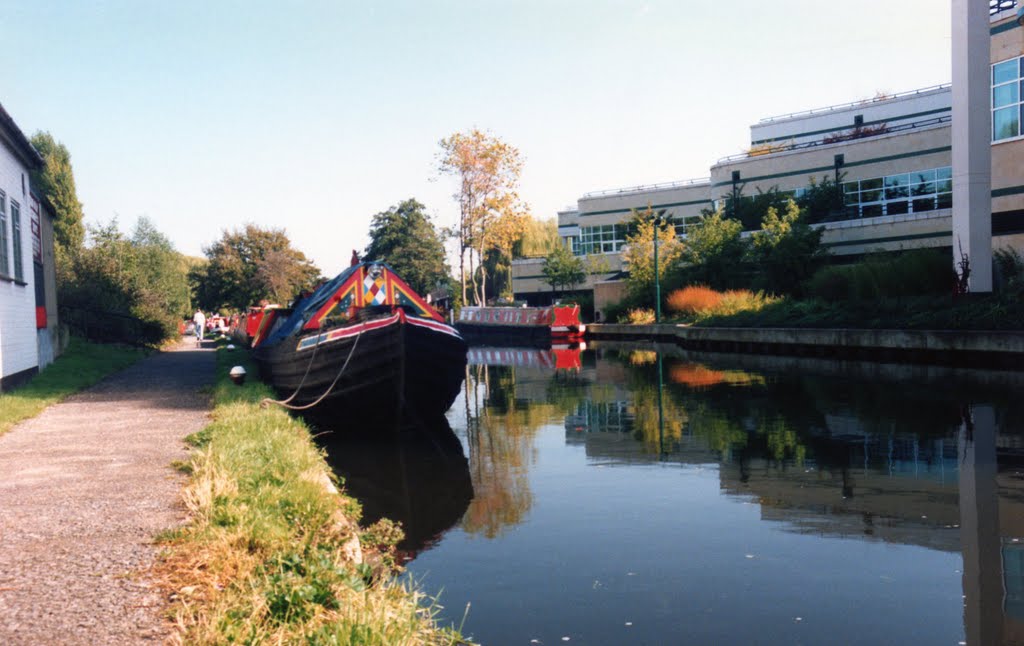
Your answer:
<point x="642" y="494"/>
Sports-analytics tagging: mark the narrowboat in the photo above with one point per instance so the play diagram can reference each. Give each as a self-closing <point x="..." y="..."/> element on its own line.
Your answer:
<point x="532" y="325"/>
<point x="364" y="339"/>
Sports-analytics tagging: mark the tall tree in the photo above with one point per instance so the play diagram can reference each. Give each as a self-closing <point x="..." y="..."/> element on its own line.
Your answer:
<point x="640" y="250"/>
<point x="539" y="238"/>
<point x="715" y="251"/>
<point x="787" y="250"/>
<point x="250" y="265"/>
<point x="501" y="238"/>
<point x="405" y="238"/>
<point x="140" y="276"/>
<point x="56" y="181"/>
<point x="488" y="170"/>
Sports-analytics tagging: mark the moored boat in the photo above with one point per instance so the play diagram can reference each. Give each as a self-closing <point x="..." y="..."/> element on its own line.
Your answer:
<point x="364" y="339"/>
<point x="533" y="325"/>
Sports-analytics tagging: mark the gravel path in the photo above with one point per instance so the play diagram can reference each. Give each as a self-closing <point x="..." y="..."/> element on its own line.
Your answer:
<point x="84" y="487"/>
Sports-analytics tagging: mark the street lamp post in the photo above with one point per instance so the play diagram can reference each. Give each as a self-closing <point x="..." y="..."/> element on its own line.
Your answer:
<point x="658" y="219"/>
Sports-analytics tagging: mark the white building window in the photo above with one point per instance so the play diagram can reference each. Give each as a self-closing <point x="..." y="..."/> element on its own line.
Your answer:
<point x="1006" y="99"/>
<point x="605" y="238"/>
<point x="5" y="263"/>
<point x="916" y="192"/>
<point x="19" y="274"/>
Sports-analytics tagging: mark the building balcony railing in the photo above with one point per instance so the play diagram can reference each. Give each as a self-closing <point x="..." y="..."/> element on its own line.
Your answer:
<point x="995" y="6"/>
<point x="853" y="104"/>
<point x="853" y="135"/>
<point x="647" y="187"/>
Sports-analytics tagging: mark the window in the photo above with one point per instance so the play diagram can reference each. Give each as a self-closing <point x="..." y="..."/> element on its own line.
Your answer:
<point x="5" y="264"/>
<point x="19" y="273"/>
<point x="605" y="238"/>
<point x="1007" y="107"/>
<point x="915" y="192"/>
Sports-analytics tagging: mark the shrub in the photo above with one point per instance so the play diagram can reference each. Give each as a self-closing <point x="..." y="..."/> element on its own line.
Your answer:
<point x="639" y="316"/>
<point x="914" y="273"/>
<point x="693" y="299"/>
<point x="743" y="300"/>
<point x="1009" y="266"/>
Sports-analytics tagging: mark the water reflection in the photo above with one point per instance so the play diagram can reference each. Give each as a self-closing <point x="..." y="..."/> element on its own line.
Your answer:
<point x="918" y="456"/>
<point x="510" y="394"/>
<point x="411" y="471"/>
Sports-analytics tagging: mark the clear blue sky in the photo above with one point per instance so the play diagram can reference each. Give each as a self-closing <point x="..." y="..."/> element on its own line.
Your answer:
<point x="313" y="116"/>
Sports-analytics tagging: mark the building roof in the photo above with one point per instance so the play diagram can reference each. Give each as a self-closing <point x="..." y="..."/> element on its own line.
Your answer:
<point x="16" y="140"/>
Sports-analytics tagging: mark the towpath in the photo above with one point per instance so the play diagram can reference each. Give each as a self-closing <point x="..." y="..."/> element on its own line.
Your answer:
<point x="84" y="487"/>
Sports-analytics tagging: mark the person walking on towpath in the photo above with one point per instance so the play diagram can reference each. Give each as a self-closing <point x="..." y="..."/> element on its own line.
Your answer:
<point x="200" y="320"/>
<point x="87" y="486"/>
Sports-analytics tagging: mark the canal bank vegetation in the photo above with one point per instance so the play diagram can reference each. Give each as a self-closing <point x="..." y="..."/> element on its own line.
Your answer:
<point x="82" y="364"/>
<point x="272" y="552"/>
<point x="781" y="276"/>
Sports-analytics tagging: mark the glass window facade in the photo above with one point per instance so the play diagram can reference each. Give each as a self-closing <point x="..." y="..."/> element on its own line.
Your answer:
<point x="5" y="263"/>
<point x="1007" y="107"/>
<point x="605" y="238"/>
<point x="915" y="192"/>
<point x="19" y="273"/>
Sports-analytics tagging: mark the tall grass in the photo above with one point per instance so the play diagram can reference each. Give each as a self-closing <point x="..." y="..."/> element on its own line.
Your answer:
<point x="81" y="365"/>
<point x="696" y="303"/>
<point x="693" y="299"/>
<point x="272" y="553"/>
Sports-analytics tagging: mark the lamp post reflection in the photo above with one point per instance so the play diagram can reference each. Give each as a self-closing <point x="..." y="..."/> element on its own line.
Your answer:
<point x="659" y="219"/>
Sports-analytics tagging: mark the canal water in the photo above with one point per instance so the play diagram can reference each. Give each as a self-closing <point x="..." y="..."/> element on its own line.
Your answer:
<point x="642" y="494"/>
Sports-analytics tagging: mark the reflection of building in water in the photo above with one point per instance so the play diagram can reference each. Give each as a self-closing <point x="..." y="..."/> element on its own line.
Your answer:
<point x="590" y="417"/>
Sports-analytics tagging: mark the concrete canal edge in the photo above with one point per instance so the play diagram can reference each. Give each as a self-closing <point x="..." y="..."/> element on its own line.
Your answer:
<point x="962" y="347"/>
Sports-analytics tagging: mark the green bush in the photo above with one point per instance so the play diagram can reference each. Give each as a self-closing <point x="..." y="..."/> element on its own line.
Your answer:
<point x="1009" y="269"/>
<point x="922" y="272"/>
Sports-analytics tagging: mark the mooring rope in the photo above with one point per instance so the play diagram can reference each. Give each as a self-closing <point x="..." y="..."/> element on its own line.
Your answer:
<point x="302" y="382"/>
<point x="284" y="403"/>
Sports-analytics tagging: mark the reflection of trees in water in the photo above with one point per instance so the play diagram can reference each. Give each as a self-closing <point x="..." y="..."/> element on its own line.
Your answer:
<point x="727" y="410"/>
<point x="656" y="431"/>
<point x="501" y="431"/>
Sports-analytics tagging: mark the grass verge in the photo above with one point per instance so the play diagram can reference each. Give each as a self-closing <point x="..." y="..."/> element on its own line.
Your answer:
<point x="82" y="364"/>
<point x="989" y="312"/>
<point x="272" y="552"/>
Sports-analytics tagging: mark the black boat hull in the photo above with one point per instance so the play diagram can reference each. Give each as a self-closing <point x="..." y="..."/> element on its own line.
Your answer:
<point x="381" y="365"/>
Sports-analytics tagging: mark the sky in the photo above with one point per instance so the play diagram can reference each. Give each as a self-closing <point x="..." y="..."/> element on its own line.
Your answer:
<point x="312" y="116"/>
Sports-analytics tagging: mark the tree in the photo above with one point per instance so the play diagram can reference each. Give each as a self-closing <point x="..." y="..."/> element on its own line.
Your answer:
<point x="56" y="181"/>
<point x="539" y="238"/>
<point x="251" y="265"/>
<point x="714" y="251"/>
<point x="639" y="252"/>
<point x="562" y="269"/>
<point x="490" y="211"/>
<point x="141" y="277"/>
<point x="787" y="250"/>
<point x="501" y="238"/>
<point x="404" y="237"/>
<point x="160" y="275"/>
<point x="750" y="210"/>
<point x="822" y="201"/>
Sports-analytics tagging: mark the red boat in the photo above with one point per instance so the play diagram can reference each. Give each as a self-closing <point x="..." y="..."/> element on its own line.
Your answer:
<point x="555" y="358"/>
<point x="534" y="325"/>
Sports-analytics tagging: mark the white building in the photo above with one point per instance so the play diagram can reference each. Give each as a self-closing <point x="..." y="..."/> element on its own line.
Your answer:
<point x="892" y="154"/>
<point x="28" y="321"/>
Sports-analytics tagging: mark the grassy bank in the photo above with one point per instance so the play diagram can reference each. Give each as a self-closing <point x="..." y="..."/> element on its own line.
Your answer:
<point x="272" y="553"/>
<point x="991" y="312"/>
<point x="81" y="365"/>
